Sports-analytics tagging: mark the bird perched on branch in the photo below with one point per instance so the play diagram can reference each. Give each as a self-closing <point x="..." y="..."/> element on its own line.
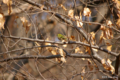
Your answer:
<point x="62" y="37"/>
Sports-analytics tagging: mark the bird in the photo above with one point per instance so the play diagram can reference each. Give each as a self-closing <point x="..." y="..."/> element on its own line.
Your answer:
<point x="62" y="37"/>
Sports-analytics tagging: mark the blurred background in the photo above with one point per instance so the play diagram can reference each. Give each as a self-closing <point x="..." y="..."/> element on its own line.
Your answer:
<point x="28" y="21"/>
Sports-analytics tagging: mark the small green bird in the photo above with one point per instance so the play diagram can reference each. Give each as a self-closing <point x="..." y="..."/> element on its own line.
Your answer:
<point x="62" y="37"/>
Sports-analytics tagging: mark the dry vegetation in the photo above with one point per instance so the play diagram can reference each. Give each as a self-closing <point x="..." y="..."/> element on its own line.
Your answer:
<point x="59" y="39"/>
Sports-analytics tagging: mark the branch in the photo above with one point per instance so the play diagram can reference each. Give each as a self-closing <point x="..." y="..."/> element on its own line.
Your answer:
<point x="53" y="42"/>
<point x="35" y="4"/>
<point x="43" y="57"/>
<point x="117" y="64"/>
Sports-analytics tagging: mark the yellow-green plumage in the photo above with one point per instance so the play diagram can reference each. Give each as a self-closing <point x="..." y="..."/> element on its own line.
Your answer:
<point x="61" y="37"/>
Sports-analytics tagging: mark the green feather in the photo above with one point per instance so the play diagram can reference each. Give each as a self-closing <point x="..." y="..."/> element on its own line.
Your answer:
<point x="61" y="37"/>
